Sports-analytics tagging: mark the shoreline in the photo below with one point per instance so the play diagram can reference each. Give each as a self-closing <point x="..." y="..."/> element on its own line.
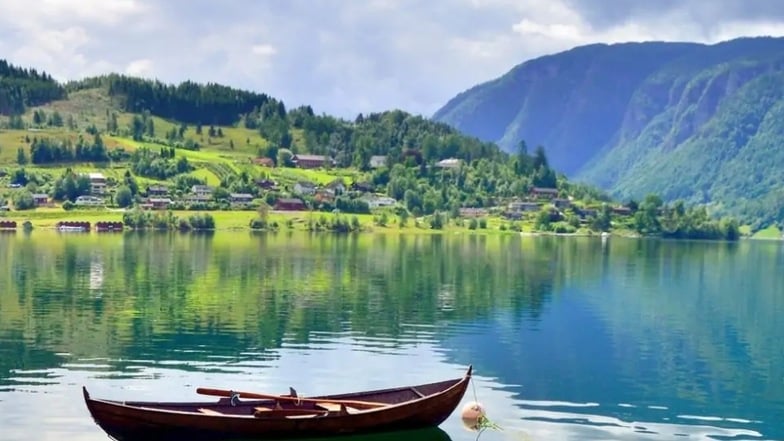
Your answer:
<point x="301" y="221"/>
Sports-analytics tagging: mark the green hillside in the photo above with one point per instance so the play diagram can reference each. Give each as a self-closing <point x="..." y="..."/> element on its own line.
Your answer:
<point x="685" y="121"/>
<point x="151" y="147"/>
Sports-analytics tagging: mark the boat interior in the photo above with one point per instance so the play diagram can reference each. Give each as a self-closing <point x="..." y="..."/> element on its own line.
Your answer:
<point x="291" y="406"/>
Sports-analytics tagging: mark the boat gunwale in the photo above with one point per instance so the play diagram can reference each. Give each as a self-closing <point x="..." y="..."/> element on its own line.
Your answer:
<point x="458" y="382"/>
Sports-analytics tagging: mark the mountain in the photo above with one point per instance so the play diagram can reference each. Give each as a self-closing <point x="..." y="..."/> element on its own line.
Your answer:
<point x="688" y="121"/>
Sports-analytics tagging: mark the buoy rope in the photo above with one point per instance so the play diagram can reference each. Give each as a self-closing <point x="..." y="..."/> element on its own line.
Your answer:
<point x="484" y="421"/>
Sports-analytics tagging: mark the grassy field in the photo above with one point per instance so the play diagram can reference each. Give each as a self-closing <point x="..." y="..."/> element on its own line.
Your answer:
<point x="47" y="218"/>
<point x="769" y="233"/>
<point x="218" y="155"/>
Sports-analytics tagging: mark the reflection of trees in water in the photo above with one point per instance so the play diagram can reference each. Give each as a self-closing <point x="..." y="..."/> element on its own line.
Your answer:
<point x="161" y="292"/>
<point x="167" y="292"/>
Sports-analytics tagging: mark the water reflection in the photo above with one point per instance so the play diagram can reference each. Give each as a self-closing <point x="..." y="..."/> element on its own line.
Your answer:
<point x="570" y="338"/>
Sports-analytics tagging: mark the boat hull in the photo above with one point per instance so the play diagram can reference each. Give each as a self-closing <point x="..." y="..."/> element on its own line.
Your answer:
<point x="148" y="421"/>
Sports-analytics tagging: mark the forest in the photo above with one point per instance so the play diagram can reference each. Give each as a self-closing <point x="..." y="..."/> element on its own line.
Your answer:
<point x="21" y="88"/>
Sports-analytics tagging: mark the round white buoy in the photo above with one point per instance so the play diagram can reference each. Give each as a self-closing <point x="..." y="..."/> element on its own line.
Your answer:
<point x="472" y="415"/>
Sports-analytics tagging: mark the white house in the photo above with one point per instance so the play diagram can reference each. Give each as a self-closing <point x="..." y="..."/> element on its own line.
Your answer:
<point x="448" y="163"/>
<point x="305" y="188"/>
<point x="241" y="198"/>
<point x="376" y="201"/>
<point x="97" y="183"/>
<point x="378" y="161"/>
<point x="89" y="200"/>
<point x="201" y="190"/>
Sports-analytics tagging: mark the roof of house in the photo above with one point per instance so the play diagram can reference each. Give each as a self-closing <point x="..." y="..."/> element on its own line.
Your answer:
<point x="306" y="184"/>
<point x="290" y="201"/>
<point x="544" y="190"/>
<point x="450" y="162"/>
<point x="378" y="160"/>
<point x="310" y="157"/>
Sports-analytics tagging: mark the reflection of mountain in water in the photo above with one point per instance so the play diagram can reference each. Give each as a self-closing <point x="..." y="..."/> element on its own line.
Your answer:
<point x="691" y="326"/>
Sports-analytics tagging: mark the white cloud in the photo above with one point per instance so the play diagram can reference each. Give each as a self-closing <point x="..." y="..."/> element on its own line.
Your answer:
<point x="348" y="57"/>
<point x="25" y="14"/>
<point x="264" y="50"/>
<point x="140" y="68"/>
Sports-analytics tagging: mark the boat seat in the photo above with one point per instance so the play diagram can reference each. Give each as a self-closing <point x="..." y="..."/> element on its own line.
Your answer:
<point x="209" y="411"/>
<point x="304" y="415"/>
<point x="416" y="391"/>
<point x="335" y="407"/>
<point x="265" y="412"/>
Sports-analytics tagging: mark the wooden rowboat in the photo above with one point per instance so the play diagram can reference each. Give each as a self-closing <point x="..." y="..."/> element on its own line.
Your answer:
<point x="245" y="415"/>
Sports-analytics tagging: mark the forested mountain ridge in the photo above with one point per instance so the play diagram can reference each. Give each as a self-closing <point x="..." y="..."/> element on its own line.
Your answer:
<point x="187" y="102"/>
<point x="686" y="121"/>
<point x="21" y="87"/>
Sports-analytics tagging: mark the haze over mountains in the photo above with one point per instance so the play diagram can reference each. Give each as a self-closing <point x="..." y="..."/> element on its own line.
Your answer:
<point x="702" y="123"/>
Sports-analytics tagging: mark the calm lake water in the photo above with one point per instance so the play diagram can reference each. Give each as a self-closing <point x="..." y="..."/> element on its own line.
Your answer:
<point x="570" y="338"/>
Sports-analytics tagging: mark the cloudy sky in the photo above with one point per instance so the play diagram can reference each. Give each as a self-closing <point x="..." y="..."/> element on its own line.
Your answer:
<point x="348" y="56"/>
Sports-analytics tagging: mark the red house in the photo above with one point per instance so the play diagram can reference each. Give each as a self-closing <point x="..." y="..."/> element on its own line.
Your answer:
<point x="310" y="161"/>
<point x="286" y="204"/>
<point x="544" y="192"/>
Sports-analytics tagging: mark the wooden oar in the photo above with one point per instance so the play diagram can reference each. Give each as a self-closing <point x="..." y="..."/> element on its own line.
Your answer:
<point x="228" y="393"/>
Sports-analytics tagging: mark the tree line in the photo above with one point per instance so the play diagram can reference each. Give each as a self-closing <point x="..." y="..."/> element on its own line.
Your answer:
<point x="49" y="151"/>
<point x="187" y="102"/>
<point x="21" y="88"/>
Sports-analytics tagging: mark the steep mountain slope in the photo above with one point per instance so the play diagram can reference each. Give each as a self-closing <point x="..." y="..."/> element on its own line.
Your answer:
<point x="687" y="121"/>
<point x="567" y="102"/>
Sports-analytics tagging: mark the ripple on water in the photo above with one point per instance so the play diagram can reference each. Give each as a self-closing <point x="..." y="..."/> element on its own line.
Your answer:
<point x="595" y="424"/>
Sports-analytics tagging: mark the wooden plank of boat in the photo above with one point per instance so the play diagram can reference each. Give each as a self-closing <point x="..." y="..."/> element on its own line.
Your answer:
<point x="401" y="408"/>
<point x="228" y="393"/>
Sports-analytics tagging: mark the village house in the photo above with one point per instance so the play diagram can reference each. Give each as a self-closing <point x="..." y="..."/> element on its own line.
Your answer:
<point x="522" y="206"/>
<point x="324" y="195"/>
<point x="158" y="203"/>
<point x="335" y="187"/>
<point x="621" y="210"/>
<point x="198" y="198"/>
<point x="544" y="192"/>
<point x="97" y="183"/>
<point x="157" y="190"/>
<point x="290" y="204"/>
<point x="88" y="201"/>
<point x="562" y="203"/>
<point x="310" y="161"/>
<point x="376" y="201"/>
<point x="378" y="161"/>
<point x="362" y="187"/>
<point x="588" y="212"/>
<point x="472" y="212"/>
<point x="40" y="199"/>
<point x="305" y="188"/>
<point x="264" y="162"/>
<point x="202" y="190"/>
<point x="265" y="184"/>
<point x="448" y="163"/>
<point x="241" y="198"/>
